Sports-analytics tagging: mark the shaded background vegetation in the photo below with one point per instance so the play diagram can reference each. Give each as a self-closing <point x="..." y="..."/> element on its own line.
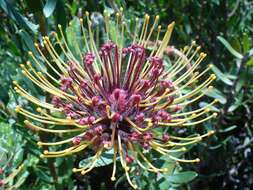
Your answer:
<point x="224" y="30"/>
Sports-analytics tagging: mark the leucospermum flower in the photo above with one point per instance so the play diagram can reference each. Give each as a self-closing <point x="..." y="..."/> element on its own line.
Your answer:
<point x="119" y="96"/>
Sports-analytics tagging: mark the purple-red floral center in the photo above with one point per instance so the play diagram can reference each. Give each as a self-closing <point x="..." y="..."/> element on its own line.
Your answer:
<point x="121" y="89"/>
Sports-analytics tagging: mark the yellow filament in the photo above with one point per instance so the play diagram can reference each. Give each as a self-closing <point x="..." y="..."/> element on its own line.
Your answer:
<point x="151" y="165"/>
<point x="56" y="58"/>
<point x="29" y="124"/>
<point x="66" y="45"/>
<point x="151" y="31"/>
<point x="196" y="90"/>
<point x="46" y="60"/>
<point x="31" y="98"/>
<point x="200" y="121"/>
<point x="41" y="68"/>
<point x="185" y="161"/>
<point x="43" y="119"/>
<point x="138" y="162"/>
<point x="165" y="40"/>
<point x="190" y="71"/>
<point x="138" y="129"/>
<point x="67" y="152"/>
<point x="194" y="111"/>
<point x="114" y="162"/>
<point x="84" y="35"/>
<point x="84" y="170"/>
<point x="147" y="17"/>
<point x="193" y="116"/>
<point x="123" y="163"/>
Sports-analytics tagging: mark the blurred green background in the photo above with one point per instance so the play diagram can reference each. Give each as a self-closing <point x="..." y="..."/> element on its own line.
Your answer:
<point x="224" y="29"/>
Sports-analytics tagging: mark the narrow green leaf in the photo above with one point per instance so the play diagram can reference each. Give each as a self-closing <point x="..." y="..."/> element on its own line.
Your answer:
<point x="214" y="93"/>
<point x="26" y="38"/>
<point x="221" y="76"/>
<point x="231" y="128"/>
<point x="250" y="62"/>
<point x="183" y="177"/>
<point x="229" y="47"/>
<point x="49" y="8"/>
<point x="245" y="42"/>
<point x="13" y="13"/>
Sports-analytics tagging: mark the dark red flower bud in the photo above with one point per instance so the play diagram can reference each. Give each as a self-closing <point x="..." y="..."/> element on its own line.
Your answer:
<point x="95" y="100"/>
<point x="170" y="99"/>
<point x="145" y="83"/>
<point x="134" y="136"/>
<point x="56" y="101"/>
<point x="83" y="84"/>
<point x="177" y="108"/>
<point x="155" y="72"/>
<point x="166" y="84"/>
<point x="87" y="136"/>
<point x="165" y="138"/>
<point x="89" y="59"/>
<point x="116" y="117"/>
<point x="97" y="77"/>
<point x="98" y="130"/>
<point x="139" y="117"/>
<point x="148" y="136"/>
<point x="136" y="99"/>
<point x="129" y="159"/>
<point x="66" y="83"/>
<point x="76" y="140"/>
<point x="91" y="119"/>
<point x="146" y="145"/>
<point x="116" y="93"/>
<point x="84" y="121"/>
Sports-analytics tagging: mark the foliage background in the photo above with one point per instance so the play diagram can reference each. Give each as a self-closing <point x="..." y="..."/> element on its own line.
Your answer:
<point x="222" y="27"/>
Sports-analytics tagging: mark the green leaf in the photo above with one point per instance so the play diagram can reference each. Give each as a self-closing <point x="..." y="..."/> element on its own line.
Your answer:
<point x="105" y="159"/>
<point x="214" y="93"/>
<point x="183" y="177"/>
<point x="250" y="62"/>
<point x="229" y="47"/>
<point x="245" y="42"/>
<point x="26" y="38"/>
<point x="12" y="12"/>
<point x="4" y="96"/>
<point x="231" y="128"/>
<point x="221" y="75"/>
<point x="49" y="8"/>
<point x="73" y="34"/>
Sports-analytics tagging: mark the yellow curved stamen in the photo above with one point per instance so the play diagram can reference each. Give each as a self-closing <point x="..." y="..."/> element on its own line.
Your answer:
<point x="59" y="142"/>
<point x="151" y="31"/>
<point x="138" y="161"/>
<point x="183" y="160"/>
<point x="138" y="129"/>
<point x="37" y="128"/>
<point x="46" y="60"/>
<point x="32" y="99"/>
<point x="150" y="164"/>
<point x="195" y="111"/>
<point x="165" y="40"/>
<point x="114" y="162"/>
<point x="142" y="41"/>
<point x="124" y="165"/>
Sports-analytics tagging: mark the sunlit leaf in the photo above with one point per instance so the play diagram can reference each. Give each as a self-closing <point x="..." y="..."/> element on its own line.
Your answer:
<point x="49" y="8"/>
<point x="229" y="47"/>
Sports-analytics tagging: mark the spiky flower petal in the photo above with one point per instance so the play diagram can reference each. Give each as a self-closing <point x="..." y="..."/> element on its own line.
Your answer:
<point x="120" y="97"/>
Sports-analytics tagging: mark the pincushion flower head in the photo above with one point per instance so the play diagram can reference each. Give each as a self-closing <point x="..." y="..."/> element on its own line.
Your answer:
<point x="122" y="95"/>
